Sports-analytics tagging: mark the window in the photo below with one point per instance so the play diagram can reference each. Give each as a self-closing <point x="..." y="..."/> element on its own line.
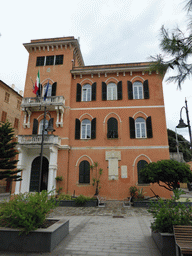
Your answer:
<point x="4" y="116"/>
<point x="84" y="172"/>
<point x="18" y="104"/>
<point x="16" y="124"/>
<point x="49" y="92"/>
<point x="41" y="126"/>
<point x="40" y="61"/>
<point x="112" y="128"/>
<point x="140" y="128"/>
<point x="137" y="90"/>
<point x="85" y="129"/>
<point x="140" y="165"/>
<point x="7" y="96"/>
<point x="86" y="92"/>
<point x="111" y="91"/>
<point x="49" y="60"/>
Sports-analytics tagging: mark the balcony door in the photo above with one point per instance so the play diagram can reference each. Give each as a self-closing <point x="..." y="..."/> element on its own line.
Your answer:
<point x="35" y="172"/>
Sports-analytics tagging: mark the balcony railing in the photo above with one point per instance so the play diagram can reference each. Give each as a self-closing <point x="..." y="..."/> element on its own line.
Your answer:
<point x="37" y="139"/>
<point x="37" y="102"/>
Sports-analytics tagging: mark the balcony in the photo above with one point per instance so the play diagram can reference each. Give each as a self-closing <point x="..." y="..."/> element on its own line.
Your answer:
<point x="38" y="103"/>
<point x="35" y="140"/>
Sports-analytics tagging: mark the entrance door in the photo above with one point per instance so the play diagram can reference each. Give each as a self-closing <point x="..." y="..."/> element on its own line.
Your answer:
<point x="35" y="172"/>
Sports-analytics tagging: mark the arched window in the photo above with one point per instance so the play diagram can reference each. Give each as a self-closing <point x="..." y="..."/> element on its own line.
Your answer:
<point x="112" y="128"/>
<point x="137" y="90"/>
<point x="86" y="129"/>
<point x="84" y="172"/>
<point x="86" y="92"/>
<point x="111" y="91"/>
<point x="140" y="127"/>
<point x="41" y="126"/>
<point x="140" y="165"/>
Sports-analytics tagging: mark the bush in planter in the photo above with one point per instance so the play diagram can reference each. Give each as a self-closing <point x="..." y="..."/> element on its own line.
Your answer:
<point x="81" y="200"/>
<point x="167" y="213"/>
<point x="65" y="197"/>
<point x="27" y="211"/>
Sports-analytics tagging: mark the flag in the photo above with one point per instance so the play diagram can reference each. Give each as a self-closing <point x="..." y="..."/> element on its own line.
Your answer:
<point x="37" y="83"/>
<point x="46" y="91"/>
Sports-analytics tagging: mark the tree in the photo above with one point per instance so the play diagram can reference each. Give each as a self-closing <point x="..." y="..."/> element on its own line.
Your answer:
<point x="96" y="177"/>
<point x="177" y="47"/>
<point x="167" y="173"/>
<point x="8" y="163"/>
<point x="184" y="145"/>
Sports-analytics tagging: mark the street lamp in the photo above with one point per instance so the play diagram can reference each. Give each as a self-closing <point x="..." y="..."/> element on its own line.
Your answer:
<point x="182" y="124"/>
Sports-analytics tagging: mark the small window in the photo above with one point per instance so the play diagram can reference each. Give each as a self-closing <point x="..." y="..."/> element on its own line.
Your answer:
<point x="49" y="60"/>
<point x="112" y="128"/>
<point x="111" y="91"/>
<point x="40" y="61"/>
<point x="59" y="60"/>
<point x="140" y="127"/>
<point x="4" y="116"/>
<point x="140" y="165"/>
<point x="86" y="92"/>
<point x="86" y="129"/>
<point x="7" y="96"/>
<point x="41" y="126"/>
<point x="84" y="172"/>
<point x="137" y="90"/>
<point x="16" y="124"/>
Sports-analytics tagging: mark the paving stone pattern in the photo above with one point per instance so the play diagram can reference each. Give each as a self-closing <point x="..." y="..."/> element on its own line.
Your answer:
<point x="110" y="231"/>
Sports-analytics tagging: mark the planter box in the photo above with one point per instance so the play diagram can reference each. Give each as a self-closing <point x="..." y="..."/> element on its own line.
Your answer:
<point x="165" y="243"/>
<point x="40" y="240"/>
<point x="71" y="203"/>
<point x="143" y="203"/>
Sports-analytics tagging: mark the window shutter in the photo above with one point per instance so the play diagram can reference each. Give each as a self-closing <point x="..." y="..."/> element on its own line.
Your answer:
<point x="39" y="91"/>
<point x="93" y="128"/>
<point x="81" y="172"/>
<point x="94" y="85"/>
<point x="146" y="89"/>
<point x="77" y="129"/>
<point x="119" y="90"/>
<point x="104" y="91"/>
<point x="54" y="87"/>
<point x="132" y="127"/>
<point x="86" y="172"/>
<point x="149" y="127"/>
<point x="78" y="94"/>
<point x="35" y="126"/>
<point x="50" y="123"/>
<point x="112" y="128"/>
<point x="130" y="90"/>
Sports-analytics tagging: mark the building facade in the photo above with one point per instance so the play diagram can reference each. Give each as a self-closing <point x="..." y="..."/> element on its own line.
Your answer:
<point x="110" y="114"/>
<point x="10" y="109"/>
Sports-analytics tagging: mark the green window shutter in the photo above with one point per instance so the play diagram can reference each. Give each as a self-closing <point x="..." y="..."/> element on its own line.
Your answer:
<point x="119" y="90"/>
<point x="77" y="129"/>
<point x="132" y="127"/>
<point x="78" y="93"/>
<point x="93" y="128"/>
<point x="130" y="90"/>
<point x="54" y="87"/>
<point x="94" y="86"/>
<point x="146" y="89"/>
<point x="104" y="91"/>
<point x="35" y="126"/>
<point x="149" y="127"/>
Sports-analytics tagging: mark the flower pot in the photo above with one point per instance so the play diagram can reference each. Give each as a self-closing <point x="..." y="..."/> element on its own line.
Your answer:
<point x="165" y="243"/>
<point x="40" y="240"/>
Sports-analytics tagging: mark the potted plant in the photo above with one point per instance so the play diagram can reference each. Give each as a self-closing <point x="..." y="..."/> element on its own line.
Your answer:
<point x="166" y="214"/>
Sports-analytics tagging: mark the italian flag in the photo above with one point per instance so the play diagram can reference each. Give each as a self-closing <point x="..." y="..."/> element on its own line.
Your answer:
<point x="37" y="83"/>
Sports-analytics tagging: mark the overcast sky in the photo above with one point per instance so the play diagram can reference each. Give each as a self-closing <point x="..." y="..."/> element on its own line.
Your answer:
<point x="110" y="32"/>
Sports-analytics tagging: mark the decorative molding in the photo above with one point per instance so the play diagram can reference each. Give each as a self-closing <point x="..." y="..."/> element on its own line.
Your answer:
<point x="112" y="113"/>
<point x="82" y="157"/>
<point x="123" y="107"/>
<point x="120" y="147"/>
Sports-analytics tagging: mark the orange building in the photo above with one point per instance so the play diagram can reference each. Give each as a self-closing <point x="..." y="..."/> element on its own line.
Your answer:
<point x="110" y="114"/>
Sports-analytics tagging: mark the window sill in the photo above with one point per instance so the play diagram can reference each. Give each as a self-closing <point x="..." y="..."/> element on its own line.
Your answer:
<point x="83" y="184"/>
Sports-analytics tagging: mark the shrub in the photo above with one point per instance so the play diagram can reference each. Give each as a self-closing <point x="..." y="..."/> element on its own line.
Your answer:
<point x="81" y="200"/>
<point x="167" y="213"/>
<point x="26" y="212"/>
<point x="133" y="191"/>
<point x="64" y="197"/>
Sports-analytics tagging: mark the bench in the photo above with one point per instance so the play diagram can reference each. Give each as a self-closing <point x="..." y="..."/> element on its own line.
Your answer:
<point x="183" y="239"/>
<point x="101" y="201"/>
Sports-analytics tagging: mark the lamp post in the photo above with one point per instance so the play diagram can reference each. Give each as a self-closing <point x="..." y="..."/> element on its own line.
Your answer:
<point x="182" y="124"/>
<point x="49" y="129"/>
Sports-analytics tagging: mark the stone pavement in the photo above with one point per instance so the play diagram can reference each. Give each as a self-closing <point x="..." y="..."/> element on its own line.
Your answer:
<point x="110" y="231"/>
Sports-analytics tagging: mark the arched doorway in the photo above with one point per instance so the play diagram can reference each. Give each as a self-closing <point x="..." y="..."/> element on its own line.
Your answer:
<point x="35" y="172"/>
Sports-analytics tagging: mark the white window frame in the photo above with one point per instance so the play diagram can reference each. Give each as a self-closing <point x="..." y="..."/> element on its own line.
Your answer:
<point x="111" y="91"/>
<point x="41" y="126"/>
<point x="138" y="90"/>
<point x="86" y="129"/>
<point x="140" y="128"/>
<point x="86" y="92"/>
